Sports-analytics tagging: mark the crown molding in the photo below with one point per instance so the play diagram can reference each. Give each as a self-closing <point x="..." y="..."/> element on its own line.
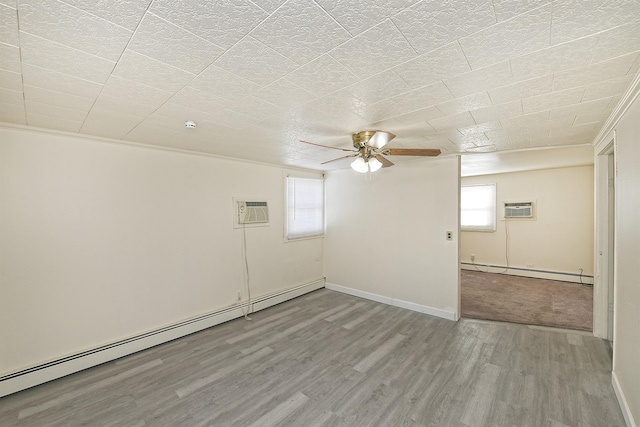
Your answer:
<point x="627" y="99"/>
<point x="101" y="139"/>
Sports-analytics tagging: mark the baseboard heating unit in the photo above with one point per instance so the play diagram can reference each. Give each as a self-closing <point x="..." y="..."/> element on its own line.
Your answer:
<point x="584" y="279"/>
<point x="35" y="375"/>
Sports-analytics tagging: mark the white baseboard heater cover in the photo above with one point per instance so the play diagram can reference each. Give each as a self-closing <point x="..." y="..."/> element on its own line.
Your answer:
<point x="560" y="276"/>
<point x="40" y="374"/>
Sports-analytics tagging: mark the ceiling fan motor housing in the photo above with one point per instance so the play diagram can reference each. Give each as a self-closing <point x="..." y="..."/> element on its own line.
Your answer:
<point x="360" y="139"/>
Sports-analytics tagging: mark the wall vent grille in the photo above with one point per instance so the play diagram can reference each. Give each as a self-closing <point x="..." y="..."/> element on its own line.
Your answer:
<point x="253" y="212"/>
<point x="518" y="210"/>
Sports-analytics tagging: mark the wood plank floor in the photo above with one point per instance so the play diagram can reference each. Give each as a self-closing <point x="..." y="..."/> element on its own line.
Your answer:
<point x="329" y="359"/>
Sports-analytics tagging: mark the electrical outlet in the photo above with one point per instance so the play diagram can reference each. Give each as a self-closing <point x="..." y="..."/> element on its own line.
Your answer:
<point x="473" y="258"/>
<point x="239" y="296"/>
<point x="449" y="235"/>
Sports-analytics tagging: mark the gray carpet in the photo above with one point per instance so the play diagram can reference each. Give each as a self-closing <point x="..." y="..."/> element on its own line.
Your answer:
<point x="525" y="300"/>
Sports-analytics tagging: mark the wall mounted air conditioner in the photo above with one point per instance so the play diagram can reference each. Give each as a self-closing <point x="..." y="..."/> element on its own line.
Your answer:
<point x="518" y="210"/>
<point x="252" y="212"/>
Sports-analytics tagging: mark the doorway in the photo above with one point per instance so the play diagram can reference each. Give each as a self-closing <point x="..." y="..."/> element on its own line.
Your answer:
<point x="544" y="257"/>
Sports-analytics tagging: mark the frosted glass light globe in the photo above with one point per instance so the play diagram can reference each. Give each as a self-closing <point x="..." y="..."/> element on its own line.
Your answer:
<point x="359" y="165"/>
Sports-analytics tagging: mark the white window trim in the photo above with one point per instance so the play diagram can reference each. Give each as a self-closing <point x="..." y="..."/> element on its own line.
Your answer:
<point x="321" y="233"/>
<point x="488" y="228"/>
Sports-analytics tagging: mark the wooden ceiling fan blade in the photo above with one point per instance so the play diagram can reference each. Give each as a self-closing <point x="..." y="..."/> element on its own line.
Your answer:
<point x="339" y="158"/>
<point x="380" y="139"/>
<point x="385" y="162"/>
<point x="327" y="146"/>
<point x="412" y="151"/>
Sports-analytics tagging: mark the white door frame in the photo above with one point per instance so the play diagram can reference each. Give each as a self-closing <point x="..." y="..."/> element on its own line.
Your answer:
<point x="603" y="288"/>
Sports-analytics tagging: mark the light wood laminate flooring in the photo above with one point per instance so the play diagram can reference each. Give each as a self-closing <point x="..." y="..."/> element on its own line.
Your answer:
<point x="330" y="359"/>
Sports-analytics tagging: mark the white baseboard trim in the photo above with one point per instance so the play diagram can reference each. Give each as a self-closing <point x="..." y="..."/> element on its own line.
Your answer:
<point x="622" y="401"/>
<point x="449" y="315"/>
<point x="526" y="272"/>
<point x="40" y="374"/>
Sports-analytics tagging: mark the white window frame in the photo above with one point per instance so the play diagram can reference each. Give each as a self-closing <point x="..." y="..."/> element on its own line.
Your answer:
<point x="314" y="228"/>
<point x="488" y="206"/>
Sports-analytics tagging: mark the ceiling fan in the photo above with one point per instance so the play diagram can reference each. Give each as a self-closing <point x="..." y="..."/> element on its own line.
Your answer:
<point x="369" y="148"/>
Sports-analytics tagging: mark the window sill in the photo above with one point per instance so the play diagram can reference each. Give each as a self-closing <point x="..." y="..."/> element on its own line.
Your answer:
<point x="297" y="239"/>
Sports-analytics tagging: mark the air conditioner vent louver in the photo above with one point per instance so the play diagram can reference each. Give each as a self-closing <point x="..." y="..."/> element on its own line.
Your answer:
<point x="518" y="210"/>
<point x="253" y="212"/>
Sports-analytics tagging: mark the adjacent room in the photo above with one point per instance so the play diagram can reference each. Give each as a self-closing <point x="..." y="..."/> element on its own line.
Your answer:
<point x="240" y="212"/>
<point x="526" y="238"/>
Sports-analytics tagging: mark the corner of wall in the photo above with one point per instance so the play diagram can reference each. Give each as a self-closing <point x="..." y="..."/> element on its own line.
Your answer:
<point x="622" y="400"/>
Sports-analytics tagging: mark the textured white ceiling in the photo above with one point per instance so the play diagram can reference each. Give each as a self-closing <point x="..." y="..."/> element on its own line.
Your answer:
<point x="258" y="76"/>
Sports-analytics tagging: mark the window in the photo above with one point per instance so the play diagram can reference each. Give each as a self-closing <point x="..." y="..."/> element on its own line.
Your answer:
<point x="305" y="208"/>
<point x="478" y="207"/>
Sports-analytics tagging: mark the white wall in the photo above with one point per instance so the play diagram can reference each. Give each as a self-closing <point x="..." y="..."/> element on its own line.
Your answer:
<point x="626" y="339"/>
<point x="102" y="241"/>
<point x="387" y="236"/>
<point x="560" y="239"/>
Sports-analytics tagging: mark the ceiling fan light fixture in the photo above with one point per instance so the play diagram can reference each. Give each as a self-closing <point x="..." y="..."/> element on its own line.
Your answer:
<point x="374" y="164"/>
<point x="363" y="166"/>
<point x="359" y="165"/>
